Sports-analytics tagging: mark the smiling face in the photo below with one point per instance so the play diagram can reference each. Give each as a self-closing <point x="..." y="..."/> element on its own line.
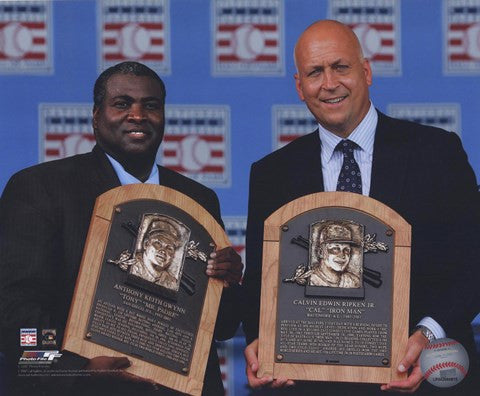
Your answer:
<point x="337" y="256"/>
<point x="332" y="76"/>
<point x="129" y="123"/>
<point x="159" y="251"/>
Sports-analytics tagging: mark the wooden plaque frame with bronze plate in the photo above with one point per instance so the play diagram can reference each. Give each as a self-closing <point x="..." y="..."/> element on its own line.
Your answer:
<point x="142" y="290"/>
<point x="335" y="290"/>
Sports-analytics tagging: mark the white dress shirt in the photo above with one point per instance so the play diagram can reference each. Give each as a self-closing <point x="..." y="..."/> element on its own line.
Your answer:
<point x="363" y="135"/>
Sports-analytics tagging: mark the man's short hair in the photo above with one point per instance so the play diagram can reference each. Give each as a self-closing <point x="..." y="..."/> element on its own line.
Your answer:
<point x="134" y="68"/>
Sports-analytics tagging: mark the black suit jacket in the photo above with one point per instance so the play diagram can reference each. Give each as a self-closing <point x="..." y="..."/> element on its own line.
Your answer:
<point x="45" y="213"/>
<point x="423" y="174"/>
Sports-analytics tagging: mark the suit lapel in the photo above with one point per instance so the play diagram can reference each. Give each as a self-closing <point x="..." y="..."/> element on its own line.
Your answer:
<point x="103" y="176"/>
<point x="166" y="179"/>
<point x="390" y="160"/>
<point x="307" y="168"/>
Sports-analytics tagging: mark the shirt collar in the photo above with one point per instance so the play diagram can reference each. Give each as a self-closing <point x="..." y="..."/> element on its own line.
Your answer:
<point x="126" y="178"/>
<point x="363" y="135"/>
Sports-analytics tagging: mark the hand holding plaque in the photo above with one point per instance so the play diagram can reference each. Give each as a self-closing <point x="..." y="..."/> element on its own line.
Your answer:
<point x="143" y="290"/>
<point x="225" y="264"/>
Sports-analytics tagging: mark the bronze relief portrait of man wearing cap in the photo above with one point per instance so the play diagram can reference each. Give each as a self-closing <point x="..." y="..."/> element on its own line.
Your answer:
<point x="160" y="250"/>
<point x="336" y="254"/>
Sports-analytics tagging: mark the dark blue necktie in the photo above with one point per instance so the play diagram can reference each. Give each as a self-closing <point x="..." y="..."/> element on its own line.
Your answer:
<point x="349" y="178"/>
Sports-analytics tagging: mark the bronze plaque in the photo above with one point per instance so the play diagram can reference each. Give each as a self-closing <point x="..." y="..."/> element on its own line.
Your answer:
<point x="152" y="284"/>
<point x="142" y="290"/>
<point x="335" y="290"/>
<point x="335" y="284"/>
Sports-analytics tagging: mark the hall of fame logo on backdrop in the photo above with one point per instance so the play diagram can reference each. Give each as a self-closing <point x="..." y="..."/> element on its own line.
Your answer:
<point x="377" y="25"/>
<point x="442" y="115"/>
<point x="462" y="37"/>
<point x="65" y="130"/>
<point x="247" y="37"/>
<point x="225" y="350"/>
<point x="134" y="30"/>
<point x="197" y="143"/>
<point x="235" y="227"/>
<point x="290" y="122"/>
<point x="28" y="337"/>
<point x="25" y="37"/>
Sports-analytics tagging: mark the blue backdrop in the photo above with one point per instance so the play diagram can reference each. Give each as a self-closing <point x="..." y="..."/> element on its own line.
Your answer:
<point x="228" y="69"/>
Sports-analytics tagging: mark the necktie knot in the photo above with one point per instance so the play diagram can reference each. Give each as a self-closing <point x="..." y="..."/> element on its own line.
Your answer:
<point x="347" y="147"/>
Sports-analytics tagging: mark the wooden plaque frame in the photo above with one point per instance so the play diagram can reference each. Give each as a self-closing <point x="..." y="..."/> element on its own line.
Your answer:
<point x="74" y="339"/>
<point x="268" y="366"/>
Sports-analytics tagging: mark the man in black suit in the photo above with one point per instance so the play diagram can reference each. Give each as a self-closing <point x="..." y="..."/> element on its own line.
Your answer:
<point x="421" y="172"/>
<point x="45" y="213"/>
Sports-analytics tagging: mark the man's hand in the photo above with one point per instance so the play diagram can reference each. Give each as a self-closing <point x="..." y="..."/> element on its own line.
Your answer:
<point x="415" y="345"/>
<point x="251" y="361"/>
<point x="225" y="264"/>
<point x="112" y="369"/>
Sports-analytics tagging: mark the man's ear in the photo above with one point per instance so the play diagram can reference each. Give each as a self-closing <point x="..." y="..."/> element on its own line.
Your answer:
<point x="367" y="69"/>
<point x="298" y="87"/>
<point x="94" y="118"/>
